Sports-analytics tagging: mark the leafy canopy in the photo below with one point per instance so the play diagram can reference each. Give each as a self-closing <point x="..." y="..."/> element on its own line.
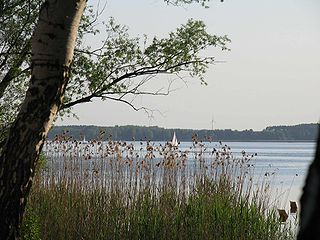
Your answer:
<point x="118" y="67"/>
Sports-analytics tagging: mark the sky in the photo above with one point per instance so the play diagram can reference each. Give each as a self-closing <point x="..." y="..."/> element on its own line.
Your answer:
<point x="270" y="77"/>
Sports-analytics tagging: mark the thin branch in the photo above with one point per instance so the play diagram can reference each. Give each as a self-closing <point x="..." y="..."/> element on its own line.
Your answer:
<point x="93" y="52"/>
<point x="80" y="100"/>
<point x="148" y="70"/>
<point x="126" y="102"/>
<point x="148" y="111"/>
<point x="99" y="13"/>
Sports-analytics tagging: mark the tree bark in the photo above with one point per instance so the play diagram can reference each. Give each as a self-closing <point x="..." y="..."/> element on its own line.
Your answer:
<point x="52" y="52"/>
<point x="310" y="201"/>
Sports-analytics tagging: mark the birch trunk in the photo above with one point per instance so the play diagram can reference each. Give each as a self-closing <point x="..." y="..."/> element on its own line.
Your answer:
<point x="52" y="48"/>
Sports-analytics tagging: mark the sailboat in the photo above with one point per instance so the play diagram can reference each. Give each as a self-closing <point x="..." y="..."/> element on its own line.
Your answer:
<point x="84" y="140"/>
<point x="174" y="142"/>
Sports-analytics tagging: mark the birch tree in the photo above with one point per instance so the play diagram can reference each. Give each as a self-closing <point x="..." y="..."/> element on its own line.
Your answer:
<point x="52" y="46"/>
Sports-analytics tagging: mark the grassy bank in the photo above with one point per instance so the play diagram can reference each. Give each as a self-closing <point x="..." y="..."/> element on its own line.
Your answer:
<point x="155" y="192"/>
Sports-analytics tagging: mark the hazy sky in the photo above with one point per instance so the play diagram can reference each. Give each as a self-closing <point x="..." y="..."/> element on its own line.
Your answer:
<point x="271" y="76"/>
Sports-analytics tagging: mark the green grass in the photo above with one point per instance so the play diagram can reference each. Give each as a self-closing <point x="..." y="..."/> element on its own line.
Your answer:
<point x="130" y="203"/>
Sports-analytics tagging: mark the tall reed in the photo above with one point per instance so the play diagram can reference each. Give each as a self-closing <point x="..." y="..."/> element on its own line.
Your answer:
<point x="119" y="190"/>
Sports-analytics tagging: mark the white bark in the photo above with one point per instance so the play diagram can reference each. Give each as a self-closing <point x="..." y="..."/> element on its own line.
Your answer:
<point x="52" y="48"/>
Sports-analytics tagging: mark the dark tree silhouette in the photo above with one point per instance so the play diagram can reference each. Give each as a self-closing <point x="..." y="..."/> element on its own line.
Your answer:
<point x="310" y="201"/>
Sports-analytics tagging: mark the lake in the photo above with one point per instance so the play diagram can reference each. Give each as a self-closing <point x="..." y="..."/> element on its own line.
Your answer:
<point x="283" y="165"/>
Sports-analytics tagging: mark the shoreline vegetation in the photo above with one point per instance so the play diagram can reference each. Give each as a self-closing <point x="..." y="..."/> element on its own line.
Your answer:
<point x="300" y="133"/>
<point x="115" y="190"/>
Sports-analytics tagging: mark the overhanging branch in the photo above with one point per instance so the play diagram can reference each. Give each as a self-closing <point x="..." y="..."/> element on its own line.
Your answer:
<point x="143" y="71"/>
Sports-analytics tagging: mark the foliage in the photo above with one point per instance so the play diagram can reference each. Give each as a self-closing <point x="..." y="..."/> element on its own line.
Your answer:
<point x="117" y="70"/>
<point x="17" y="22"/>
<point x="122" y="65"/>
<point x="30" y="229"/>
<point x="203" y="3"/>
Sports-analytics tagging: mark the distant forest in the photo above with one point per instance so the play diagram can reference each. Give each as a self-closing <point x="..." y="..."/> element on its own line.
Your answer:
<point x="301" y="132"/>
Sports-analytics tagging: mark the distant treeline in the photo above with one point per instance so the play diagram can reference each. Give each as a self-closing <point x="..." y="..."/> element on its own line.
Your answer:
<point x="301" y="132"/>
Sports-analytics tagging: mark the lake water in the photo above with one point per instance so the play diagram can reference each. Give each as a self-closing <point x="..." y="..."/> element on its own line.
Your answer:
<point x="283" y="165"/>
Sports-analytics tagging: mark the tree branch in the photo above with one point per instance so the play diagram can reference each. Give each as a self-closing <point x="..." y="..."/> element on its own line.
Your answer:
<point x="147" y="70"/>
<point x="148" y="111"/>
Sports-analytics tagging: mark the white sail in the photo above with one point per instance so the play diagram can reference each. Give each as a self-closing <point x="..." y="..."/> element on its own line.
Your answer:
<point x="174" y="141"/>
<point x="84" y="139"/>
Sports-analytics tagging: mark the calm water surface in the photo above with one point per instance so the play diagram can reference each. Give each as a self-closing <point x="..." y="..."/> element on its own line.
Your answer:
<point x="282" y="164"/>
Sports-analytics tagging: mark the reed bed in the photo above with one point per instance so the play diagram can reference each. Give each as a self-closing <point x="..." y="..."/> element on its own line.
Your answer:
<point x="119" y="190"/>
